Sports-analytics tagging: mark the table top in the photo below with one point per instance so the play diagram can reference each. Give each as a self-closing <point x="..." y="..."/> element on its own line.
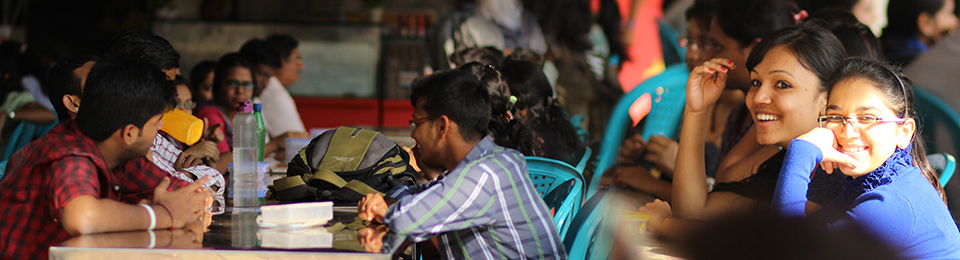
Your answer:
<point x="235" y="234"/>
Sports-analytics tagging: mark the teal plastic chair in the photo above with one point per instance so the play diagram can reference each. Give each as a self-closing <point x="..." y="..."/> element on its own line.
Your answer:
<point x="933" y="112"/>
<point x="584" y="160"/>
<point x="549" y="174"/>
<point x="944" y="164"/>
<point x="668" y="93"/>
<point x="673" y="53"/>
<point x="591" y="234"/>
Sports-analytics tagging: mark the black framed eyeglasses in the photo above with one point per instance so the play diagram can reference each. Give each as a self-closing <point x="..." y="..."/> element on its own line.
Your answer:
<point x="233" y="84"/>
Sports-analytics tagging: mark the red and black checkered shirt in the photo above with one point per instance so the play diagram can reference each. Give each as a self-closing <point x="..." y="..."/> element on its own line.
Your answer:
<point x="48" y="173"/>
<point x="138" y="178"/>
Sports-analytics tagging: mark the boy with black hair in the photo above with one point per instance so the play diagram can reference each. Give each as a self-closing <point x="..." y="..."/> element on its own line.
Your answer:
<point x="484" y="204"/>
<point x="156" y="50"/>
<point x="147" y="47"/>
<point x="278" y="66"/>
<point x="65" y="185"/>
<point x="65" y="84"/>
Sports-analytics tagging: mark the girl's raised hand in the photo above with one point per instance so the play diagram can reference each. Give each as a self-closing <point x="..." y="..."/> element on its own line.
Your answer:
<point x="825" y="140"/>
<point x="706" y="82"/>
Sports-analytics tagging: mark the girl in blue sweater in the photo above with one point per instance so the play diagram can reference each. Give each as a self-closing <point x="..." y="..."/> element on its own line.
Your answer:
<point x="869" y="133"/>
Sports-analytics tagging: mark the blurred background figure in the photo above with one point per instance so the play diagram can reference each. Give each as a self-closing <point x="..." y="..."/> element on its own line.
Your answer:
<point x="501" y="24"/>
<point x="863" y="10"/>
<point x="277" y="65"/>
<point x="586" y="48"/>
<point x="201" y="80"/>
<point x="914" y="26"/>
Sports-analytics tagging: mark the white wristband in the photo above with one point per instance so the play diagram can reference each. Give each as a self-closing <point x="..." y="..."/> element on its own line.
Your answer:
<point x="153" y="239"/>
<point x="153" y="216"/>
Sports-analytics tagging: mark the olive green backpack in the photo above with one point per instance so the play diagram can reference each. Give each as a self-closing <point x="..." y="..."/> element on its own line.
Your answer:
<point x="343" y="166"/>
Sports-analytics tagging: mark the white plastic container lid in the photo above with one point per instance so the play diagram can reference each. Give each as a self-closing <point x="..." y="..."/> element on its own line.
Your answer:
<point x="316" y="213"/>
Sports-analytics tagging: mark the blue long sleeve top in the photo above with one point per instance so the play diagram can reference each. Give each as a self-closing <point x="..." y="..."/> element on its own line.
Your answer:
<point x="894" y="202"/>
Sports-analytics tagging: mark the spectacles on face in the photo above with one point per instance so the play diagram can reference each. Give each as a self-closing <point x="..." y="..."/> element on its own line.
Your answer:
<point x="414" y="122"/>
<point x="836" y="122"/>
<point x="232" y="84"/>
<point x="699" y="44"/>
<point x="187" y="104"/>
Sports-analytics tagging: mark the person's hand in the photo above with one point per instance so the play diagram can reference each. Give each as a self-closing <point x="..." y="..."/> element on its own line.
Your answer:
<point x="278" y="146"/>
<point x="204" y="150"/>
<point x="428" y="171"/>
<point x="207" y="218"/>
<point x="294" y="134"/>
<point x="662" y="152"/>
<point x="186" y="160"/>
<point x="212" y="133"/>
<point x="632" y="149"/>
<point x="825" y="140"/>
<point x="371" y="237"/>
<point x="190" y="236"/>
<point x="185" y="204"/>
<point x="657" y="211"/>
<point x="706" y="83"/>
<point x="372" y="208"/>
<point x="635" y="177"/>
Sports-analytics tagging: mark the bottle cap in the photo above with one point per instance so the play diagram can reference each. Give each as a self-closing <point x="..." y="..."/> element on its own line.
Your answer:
<point x="244" y="107"/>
<point x="257" y="107"/>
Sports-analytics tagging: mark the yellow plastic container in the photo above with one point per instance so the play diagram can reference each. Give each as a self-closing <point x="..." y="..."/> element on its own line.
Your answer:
<point x="184" y="127"/>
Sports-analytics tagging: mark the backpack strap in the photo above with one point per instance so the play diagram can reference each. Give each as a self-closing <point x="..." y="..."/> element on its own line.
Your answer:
<point x="346" y="149"/>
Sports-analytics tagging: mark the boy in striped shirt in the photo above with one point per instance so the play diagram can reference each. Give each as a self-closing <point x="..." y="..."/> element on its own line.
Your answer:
<point x="484" y="204"/>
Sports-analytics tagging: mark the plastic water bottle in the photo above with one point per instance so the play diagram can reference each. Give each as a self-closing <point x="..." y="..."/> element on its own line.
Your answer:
<point x="261" y="131"/>
<point x="245" y="175"/>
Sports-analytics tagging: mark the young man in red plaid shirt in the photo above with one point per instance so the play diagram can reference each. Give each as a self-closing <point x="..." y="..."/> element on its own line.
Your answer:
<point x="64" y="185"/>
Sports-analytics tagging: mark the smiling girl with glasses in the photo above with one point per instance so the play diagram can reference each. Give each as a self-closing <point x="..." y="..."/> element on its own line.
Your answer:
<point x="869" y="132"/>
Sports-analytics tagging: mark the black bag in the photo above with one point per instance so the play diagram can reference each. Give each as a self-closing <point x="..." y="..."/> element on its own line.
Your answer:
<point x="343" y="166"/>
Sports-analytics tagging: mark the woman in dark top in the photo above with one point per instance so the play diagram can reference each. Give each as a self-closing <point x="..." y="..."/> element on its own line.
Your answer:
<point x="788" y="71"/>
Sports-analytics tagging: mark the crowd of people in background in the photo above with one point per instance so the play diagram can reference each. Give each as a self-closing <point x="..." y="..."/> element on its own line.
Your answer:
<point x="794" y="109"/>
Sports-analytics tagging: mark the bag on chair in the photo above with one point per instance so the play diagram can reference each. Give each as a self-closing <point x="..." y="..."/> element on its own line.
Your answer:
<point x="343" y="166"/>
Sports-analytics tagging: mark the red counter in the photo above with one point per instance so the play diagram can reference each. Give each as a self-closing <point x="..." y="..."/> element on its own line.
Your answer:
<point x="317" y="112"/>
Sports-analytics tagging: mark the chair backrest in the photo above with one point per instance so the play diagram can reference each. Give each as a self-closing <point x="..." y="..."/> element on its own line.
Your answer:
<point x="933" y="112"/>
<point x="591" y="236"/>
<point x="944" y="164"/>
<point x="582" y="165"/>
<point x="668" y="94"/>
<point x="548" y="175"/>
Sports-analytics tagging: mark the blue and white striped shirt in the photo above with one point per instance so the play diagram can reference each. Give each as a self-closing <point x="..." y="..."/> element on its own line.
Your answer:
<point x="486" y="208"/>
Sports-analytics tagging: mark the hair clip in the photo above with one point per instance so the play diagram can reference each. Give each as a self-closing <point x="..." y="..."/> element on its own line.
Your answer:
<point x="798" y="17"/>
<point x="490" y="66"/>
<point x="513" y="100"/>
